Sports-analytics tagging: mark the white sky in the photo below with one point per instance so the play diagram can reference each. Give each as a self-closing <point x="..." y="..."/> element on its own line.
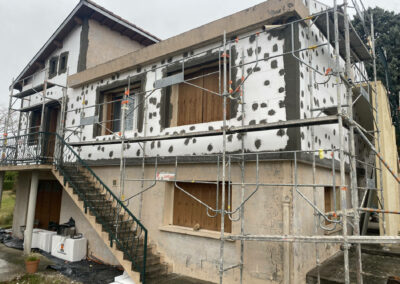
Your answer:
<point x="25" y="25"/>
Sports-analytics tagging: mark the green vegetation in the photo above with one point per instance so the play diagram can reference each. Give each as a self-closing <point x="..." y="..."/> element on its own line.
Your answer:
<point x="387" y="34"/>
<point x="32" y="257"/>
<point x="7" y="209"/>
<point x="40" y="278"/>
<point x="9" y="180"/>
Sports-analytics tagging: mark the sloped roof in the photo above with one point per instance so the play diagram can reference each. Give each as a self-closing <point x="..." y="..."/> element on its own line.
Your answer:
<point x="85" y="8"/>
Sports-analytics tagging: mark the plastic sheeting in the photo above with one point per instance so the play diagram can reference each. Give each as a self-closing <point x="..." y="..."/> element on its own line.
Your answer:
<point x="84" y="271"/>
<point x="9" y="241"/>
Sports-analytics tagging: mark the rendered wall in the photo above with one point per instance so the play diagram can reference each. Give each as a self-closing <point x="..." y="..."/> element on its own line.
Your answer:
<point x="96" y="246"/>
<point x="390" y="155"/>
<point x="106" y="44"/>
<point x="196" y="253"/>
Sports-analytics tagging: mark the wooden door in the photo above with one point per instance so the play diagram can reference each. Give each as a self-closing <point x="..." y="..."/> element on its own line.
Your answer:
<point x="50" y="139"/>
<point x="48" y="203"/>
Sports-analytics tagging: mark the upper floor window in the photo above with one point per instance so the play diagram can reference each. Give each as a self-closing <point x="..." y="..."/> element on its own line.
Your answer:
<point x="53" y="67"/>
<point x="111" y="109"/>
<point x="193" y="100"/>
<point x="62" y="64"/>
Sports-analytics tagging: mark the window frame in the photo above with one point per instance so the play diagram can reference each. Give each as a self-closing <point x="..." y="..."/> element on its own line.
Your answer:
<point x="63" y="69"/>
<point x="137" y="84"/>
<point x="169" y="104"/>
<point x="53" y="73"/>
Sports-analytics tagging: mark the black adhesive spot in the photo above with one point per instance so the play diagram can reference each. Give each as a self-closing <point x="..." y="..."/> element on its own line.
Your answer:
<point x="152" y="145"/>
<point x="257" y="143"/>
<point x="271" y="112"/>
<point x="230" y="138"/>
<point x="274" y="64"/>
<point x="280" y="132"/>
<point x="252" y="122"/>
<point x="275" y="48"/>
<point x="282" y="72"/>
<point x="281" y="89"/>
<point x="111" y="154"/>
<point x="263" y="105"/>
<point x="266" y="82"/>
<point x="250" y="51"/>
<point x="254" y="106"/>
<point x="192" y="128"/>
<point x="170" y="149"/>
<point x="209" y="147"/>
<point x="187" y="140"/>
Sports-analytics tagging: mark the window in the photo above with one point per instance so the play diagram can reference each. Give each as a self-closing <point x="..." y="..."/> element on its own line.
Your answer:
<point x="53" y="67"/>
<point x="62" y="65"/>
<point x="188" y="212"/>
<point x="329" y="195"/>
<point x="111" y="110"/>
<point x="34" y="126"/>
<point x="196" y="105"/>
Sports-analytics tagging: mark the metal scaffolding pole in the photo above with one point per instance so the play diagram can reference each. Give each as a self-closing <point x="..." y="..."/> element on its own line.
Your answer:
<point x="243" y="187"/>
<point x="353" y="171"/>
<point x="225" y="94"/>
<point x="316" y="215"/>
<point x="343" y="189"/>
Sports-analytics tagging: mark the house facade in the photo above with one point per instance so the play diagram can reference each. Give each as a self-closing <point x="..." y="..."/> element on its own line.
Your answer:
<point x="147" y="117"/>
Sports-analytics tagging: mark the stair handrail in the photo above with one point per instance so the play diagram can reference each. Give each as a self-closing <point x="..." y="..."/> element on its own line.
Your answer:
<point x="119" y="202"/>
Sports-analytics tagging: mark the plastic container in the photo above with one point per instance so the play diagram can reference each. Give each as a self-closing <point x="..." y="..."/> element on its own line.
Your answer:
<point x="68" y="249"/>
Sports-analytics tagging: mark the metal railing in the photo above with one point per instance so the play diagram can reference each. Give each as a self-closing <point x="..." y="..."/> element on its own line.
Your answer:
<point x="124" y="229"/>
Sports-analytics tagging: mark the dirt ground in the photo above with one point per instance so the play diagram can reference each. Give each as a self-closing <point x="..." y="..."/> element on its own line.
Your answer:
<point x="12" y="269"/>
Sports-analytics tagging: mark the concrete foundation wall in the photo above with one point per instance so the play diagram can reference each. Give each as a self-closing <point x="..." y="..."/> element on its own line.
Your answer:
<point x="106" y="44"/>
<point x="196" y="253"/>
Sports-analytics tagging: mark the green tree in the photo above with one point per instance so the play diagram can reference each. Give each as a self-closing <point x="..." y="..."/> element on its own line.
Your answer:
<point x="387" y="35"/>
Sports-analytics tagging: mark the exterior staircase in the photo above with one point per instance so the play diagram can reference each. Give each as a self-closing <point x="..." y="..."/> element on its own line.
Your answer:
<point x="125" y="235"/>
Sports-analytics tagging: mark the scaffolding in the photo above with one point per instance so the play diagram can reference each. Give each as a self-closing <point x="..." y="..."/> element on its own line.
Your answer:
<point x="345" y="42"/>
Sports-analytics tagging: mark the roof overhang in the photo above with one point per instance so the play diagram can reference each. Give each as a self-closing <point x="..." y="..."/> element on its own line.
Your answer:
<point x="85" y="8"/>
<point x="270" y="12"/>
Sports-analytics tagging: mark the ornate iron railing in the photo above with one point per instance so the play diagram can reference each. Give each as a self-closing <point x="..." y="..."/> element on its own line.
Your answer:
<point x="124" y="229"/>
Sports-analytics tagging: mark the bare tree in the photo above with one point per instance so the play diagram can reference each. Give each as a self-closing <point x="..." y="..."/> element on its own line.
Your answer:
<point x="12" y="122"/>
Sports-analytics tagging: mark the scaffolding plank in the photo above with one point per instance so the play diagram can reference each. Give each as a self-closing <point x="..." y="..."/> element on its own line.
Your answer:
<point x="359" y="50"/>
<point x="231" y="130"/>
<point x="33" y="90"/>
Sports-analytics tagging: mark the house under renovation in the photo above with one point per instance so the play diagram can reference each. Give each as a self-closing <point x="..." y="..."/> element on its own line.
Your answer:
<point x="248" y="150"/>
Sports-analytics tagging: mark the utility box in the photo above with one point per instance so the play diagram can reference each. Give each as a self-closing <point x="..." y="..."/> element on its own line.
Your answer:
<point x="68" y="249"/>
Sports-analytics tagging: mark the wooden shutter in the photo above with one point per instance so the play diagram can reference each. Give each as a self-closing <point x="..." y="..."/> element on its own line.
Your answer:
<point x="188" y="212"/>
<point x="213" y="105"/>
<point x="196" y="105"/>
<point x="190" y="102"/>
